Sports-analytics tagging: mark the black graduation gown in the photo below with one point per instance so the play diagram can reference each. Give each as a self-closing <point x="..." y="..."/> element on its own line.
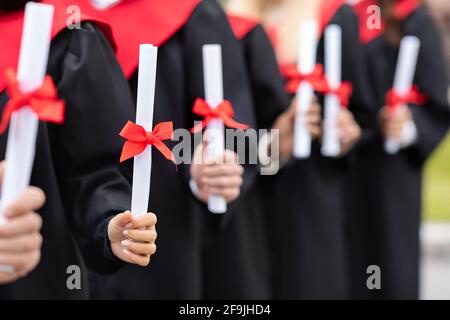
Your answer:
<point x="76" y="165"/>
<point x="307" y="207"/>
<point x="175" y="272"/>
<point x="235" y="263"/>
<point x="387" y="189"/>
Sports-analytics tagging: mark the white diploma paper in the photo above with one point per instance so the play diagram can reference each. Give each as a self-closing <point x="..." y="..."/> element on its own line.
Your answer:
<point x="148" y="55"/>
<point x="308" y="34"/>
<point x="331" y="146"/>
<point x="21" y="145"/>
<point x="213" y="77"/>
<point x="403" y="80"/>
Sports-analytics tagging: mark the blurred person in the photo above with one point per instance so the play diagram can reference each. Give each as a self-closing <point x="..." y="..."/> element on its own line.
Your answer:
<point x="305" y="205"/>
<point x="85" y="217"/>
<point x="180" y="29"/>
<point x="387" y="189"/>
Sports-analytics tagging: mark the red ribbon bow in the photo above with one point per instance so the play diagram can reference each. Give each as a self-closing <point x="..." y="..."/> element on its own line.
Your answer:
<point x="344" y="92"/>
<point x="138" y="139"/>
<point x="394" y="99"/>
<point x="224" y="111"/>
<point x="43" y="101"/>
<point x="295" y="78"/>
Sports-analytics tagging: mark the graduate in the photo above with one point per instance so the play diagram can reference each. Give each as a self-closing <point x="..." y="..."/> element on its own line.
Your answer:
<point x="77" y="162"/>
<point x="179" y="29"/>
<point x="20" y="237"/>
<point x="237" y="241"/>
<point x="306" y="209"/>
<point x="387" y="188"/>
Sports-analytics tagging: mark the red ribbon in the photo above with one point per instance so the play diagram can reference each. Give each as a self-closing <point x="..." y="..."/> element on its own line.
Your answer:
<point x="224" y="111"/>
<point x="394" y="99"/>
<point x="295" y="78"/>
<point x="138" y="139"/>
<point x="344" y="92"/>
<point x="43" y="101"/>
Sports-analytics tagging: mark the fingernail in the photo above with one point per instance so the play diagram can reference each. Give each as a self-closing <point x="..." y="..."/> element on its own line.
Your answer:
<point x="125" y="243"/>
<point x="126" y="232"/>
<point x="126" y="252"/>
<point x="128" y="226"/>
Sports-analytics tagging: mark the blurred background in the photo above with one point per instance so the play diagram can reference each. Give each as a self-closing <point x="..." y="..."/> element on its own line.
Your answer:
<point x="436" y="228"/>
<point x="435" y="231"/>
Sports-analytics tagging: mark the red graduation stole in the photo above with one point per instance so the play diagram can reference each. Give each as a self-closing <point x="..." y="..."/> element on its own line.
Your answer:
<point x="328" y="10"/>
<point x="11" y="30"/>
<point x="241" y="26"/>
<point x="138" y="21"/>
<point x="402" y="9"/>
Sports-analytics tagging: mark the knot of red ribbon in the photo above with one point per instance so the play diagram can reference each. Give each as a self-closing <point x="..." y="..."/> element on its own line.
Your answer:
<point x="138" y="139"/>
<point x="43" y="101"/>
<point x="295" y="78"/>
<point x="224" y="111"/>
<point x="343" y="92"/>
<point x="394" y="99"/>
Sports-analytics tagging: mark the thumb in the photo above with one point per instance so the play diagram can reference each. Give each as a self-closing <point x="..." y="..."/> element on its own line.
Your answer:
<point x="122" y="219"/>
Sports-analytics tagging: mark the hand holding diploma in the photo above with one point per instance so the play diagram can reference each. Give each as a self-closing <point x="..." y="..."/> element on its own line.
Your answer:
<point x="402" y="94"/>
<point x="221" y="175"/>
<point x="20" y="238"/>
<point x="312" y="121"/>
<point x="217" y="113"/>
<point x="133" y="238"/>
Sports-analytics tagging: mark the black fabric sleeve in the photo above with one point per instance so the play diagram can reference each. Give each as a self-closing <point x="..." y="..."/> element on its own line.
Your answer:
<point x="87" y="146"/>
<point x="432" y="120"/>
<point x="266" y="81"/>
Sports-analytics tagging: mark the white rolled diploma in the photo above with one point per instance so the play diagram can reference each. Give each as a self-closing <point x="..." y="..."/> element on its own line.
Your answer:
<point x="213" y="77"/>
<point x="21" y="144"/>
<point x="308" y="34"/>
<point x="331" y="146"/>
<point x="142" y="171"/>
<point x="104" y="4"/>
<point x="403" y="79"/>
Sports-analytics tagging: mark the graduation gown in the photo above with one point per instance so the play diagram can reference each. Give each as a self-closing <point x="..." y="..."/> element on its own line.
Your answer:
<point x="235" y="262"/>
<point x="175" y="272"/>
<point x="76" y="163"/>
<point x="306" y="209"/>
<point x="387" y="189"/>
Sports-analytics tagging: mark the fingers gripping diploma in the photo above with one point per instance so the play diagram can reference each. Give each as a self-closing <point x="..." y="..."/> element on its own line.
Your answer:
<point x="349" y="130"/>
<point x="220" y="176"/>
<point x="133" y="238"/>
<point x="20" y="238"/>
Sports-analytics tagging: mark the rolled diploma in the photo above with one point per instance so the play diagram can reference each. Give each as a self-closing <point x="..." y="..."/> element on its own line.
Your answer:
<point x="213" y="77"/>
<point x="21" y="144"/>
<point x="148" y="55"/>
<point x="404" y="77"/>
<point x="104" y="4"/>
<point x="331" y="146"/>
<point x="305" y="92"/>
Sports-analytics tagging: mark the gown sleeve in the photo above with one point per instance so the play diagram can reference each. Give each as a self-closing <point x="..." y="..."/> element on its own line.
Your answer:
<point x="87" y="146"/>
<point x="266" y="81"/>
<point x="432" y="119"/>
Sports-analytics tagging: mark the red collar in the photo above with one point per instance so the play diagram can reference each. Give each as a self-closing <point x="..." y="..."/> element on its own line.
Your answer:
<point x="11" y="32"/>
<point x="328" y="10"/>
<point x="139" y="21"/>
<point x="403" y="9"/>
<point x="241" y="26"/>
